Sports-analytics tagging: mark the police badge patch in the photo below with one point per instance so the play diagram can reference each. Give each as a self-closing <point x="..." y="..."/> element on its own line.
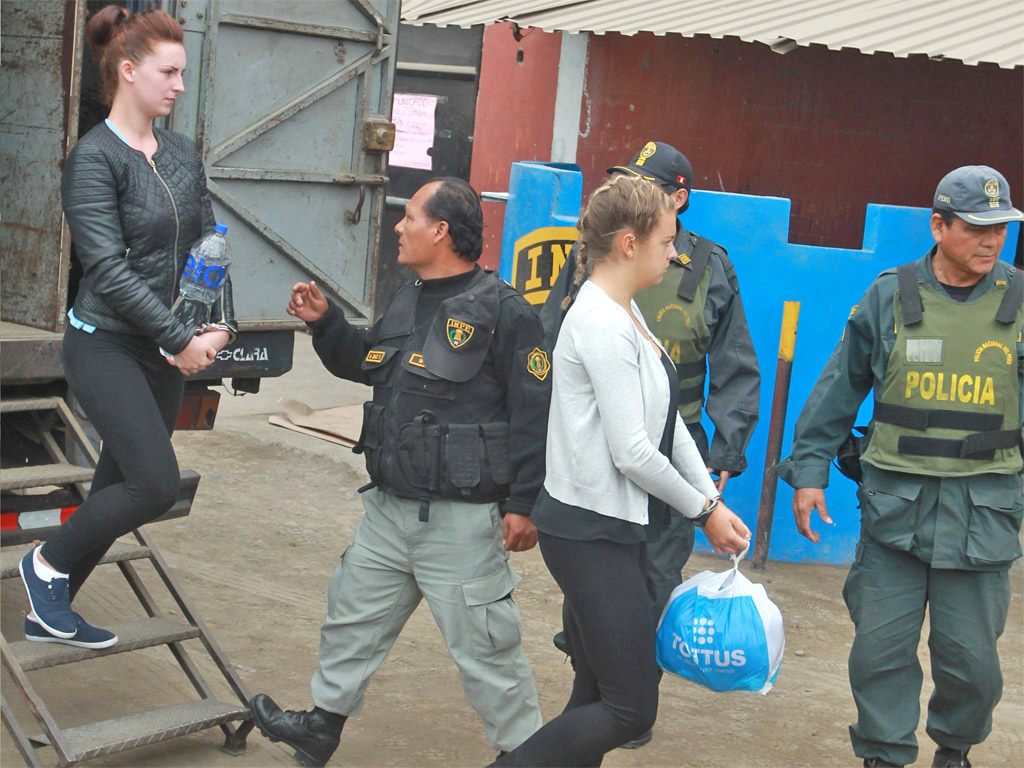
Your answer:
<point x="458" y="332"/>
<point x="538" y="364"/>
<point x="649" y="149"/>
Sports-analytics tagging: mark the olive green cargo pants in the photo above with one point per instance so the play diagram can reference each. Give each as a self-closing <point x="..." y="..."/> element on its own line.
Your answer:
<point x="887" y="591"/>
<point x="457" y="562"/>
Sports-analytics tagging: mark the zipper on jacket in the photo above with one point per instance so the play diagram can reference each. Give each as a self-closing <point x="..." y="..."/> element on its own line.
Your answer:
<point x="177" y="226"/>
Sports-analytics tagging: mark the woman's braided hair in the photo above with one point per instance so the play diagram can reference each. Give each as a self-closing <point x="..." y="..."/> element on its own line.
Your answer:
<point x="622" y="202"/>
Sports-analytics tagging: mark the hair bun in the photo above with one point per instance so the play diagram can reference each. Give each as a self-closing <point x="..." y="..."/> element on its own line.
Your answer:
<point x="100" y="29"/>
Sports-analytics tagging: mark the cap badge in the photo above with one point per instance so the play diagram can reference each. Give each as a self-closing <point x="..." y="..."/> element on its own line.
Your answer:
<point x="649" y="149"/>
<point x="538" y="364"/>
<point x="458" y="332"/>
<point x="992" y="187"/>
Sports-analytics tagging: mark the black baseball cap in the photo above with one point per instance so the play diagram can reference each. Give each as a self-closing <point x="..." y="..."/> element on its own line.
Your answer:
<point x="977" y="194"/>
<point x="661" y="163"/>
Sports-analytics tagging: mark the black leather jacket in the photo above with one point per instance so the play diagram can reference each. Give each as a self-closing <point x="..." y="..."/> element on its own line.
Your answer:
<point x="132" y="224"/>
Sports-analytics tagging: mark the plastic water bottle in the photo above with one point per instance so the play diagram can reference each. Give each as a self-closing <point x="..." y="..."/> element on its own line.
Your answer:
<point x="206" y="268"/>
<point x="202" y="279"/>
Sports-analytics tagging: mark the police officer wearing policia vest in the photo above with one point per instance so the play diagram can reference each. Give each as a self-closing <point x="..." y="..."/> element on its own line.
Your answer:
<point x="939" y="342"/>
<point x="461" y="387"/>
<point x="697" y="313"/>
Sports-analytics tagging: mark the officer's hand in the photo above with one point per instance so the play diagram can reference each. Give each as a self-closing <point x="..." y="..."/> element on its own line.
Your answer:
<point x="726" y="533"/>
<point x="723" y="477"/>
<point x="805" y="500"/>
<point x="307" y="302"/>
<point x="518" y="533"/>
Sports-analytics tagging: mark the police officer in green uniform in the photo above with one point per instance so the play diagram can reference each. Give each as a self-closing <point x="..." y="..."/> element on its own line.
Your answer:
<point x="939" y="342"/>
<point x="697" y="313"/>
<point x="454" y="445"/>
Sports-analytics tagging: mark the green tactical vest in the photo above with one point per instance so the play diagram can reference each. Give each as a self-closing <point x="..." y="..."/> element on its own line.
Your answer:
<point x="950" y="403"/>
<point x="679" y="325"/>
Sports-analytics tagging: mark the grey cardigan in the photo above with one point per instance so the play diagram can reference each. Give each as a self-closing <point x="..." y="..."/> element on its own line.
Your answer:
<point x="609" y="403"/>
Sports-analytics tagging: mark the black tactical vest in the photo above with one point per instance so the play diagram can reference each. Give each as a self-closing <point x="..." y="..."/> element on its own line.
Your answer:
<point x="437" y="427"/>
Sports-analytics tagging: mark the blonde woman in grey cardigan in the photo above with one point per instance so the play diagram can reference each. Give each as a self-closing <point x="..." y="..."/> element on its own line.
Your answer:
<point x="615" y="446"/>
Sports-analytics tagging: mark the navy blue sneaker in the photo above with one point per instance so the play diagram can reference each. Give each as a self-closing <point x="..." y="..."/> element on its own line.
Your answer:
<point x="87" y="635"/>
<point x="51" y="601"/>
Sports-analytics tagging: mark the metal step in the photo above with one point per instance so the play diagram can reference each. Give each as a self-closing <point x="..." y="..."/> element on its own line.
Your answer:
<point x="131" y="636"/>
<point x="38" y="475"/>
<point x="29" y="404"/>
<point x="119" y="552"/>
<point x="109" y="736"/>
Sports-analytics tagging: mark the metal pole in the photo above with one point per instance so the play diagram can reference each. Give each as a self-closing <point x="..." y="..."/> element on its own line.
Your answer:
<point x="776" y="427"/>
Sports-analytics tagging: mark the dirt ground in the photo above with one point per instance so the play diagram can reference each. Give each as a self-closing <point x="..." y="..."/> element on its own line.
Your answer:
<point x="273" y="512"/>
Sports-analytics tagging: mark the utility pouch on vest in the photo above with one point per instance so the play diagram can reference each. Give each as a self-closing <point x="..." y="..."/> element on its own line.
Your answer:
<point x="419" y="449"/>
<point x="496" y="437"/>
<point x="476" y="458"/>
<point x="371" y="439"/>
<point x="848" y="457"/>
<point x="462" y="456"/>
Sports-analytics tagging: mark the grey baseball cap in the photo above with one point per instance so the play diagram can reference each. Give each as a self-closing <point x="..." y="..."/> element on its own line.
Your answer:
<point x="977" y="194"/>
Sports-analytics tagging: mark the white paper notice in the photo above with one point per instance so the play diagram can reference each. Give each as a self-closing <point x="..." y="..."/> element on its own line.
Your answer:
<point x="413" y="115"/>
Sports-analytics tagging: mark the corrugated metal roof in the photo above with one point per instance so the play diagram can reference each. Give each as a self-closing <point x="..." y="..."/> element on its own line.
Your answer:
<point x="954" y="29"/>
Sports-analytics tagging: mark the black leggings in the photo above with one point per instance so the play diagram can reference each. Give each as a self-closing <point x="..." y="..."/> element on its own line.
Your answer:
<point x="610" y="628"/>
<point x="132" y="396"/>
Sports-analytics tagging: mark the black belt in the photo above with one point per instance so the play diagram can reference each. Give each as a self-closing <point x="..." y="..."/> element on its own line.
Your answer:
<point x="980" y="446"/>
<point x="691" y="369"/>
<point x="690" y="394"/>
<point x="937" y="418"/>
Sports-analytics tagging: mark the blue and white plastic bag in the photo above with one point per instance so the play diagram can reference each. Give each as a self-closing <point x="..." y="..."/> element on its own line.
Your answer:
<point x="720" y="630"/>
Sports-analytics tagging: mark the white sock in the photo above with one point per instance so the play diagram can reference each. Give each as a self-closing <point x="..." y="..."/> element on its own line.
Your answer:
<point x="43" y="571"/>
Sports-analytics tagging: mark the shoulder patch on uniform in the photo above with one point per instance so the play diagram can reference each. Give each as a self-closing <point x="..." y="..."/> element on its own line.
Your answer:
<point x="853" y="310"/>
<point x="459" y="332"/>
<point x="375" y="356"/>
<point x="538" y="364"/>
<point x="416" y="359"/>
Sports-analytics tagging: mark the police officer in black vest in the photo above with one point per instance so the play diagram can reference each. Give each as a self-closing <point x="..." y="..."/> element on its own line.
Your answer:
<point x="454" y="445"/>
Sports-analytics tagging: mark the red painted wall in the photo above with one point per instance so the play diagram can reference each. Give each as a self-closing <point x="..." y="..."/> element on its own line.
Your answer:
<point x="514" y="115"/>
<point x="831" y="130"/>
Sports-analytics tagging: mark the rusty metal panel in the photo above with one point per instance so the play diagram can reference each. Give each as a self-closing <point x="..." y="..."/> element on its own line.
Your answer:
<point x="39" y="78"/>
<point x="29" y="355"/>
<point x="277" y="96"/>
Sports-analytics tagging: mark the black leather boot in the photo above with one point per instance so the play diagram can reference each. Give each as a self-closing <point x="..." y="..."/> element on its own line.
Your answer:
<point x="946" y="757"/>
<point x="314" y="735"/>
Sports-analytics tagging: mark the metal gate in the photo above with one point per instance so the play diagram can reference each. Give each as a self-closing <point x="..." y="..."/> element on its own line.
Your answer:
<point x="39" y="83"/>
<point x="288" y="102"/>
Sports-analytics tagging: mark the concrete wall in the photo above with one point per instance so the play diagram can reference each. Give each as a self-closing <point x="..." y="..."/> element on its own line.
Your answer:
<point x="514" y="116"/>
<point x="830" y="130"/>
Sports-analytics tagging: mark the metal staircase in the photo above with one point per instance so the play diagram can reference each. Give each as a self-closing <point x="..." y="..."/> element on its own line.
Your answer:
<point x="29" y="516"/>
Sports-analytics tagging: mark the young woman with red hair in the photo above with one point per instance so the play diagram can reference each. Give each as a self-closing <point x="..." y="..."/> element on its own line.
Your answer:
<point x="135" y="199"/>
